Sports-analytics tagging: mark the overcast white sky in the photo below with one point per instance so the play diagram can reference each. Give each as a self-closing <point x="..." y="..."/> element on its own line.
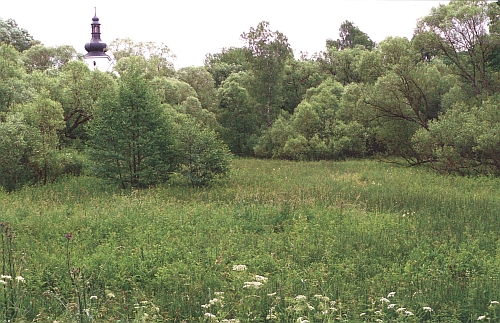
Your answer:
<point x="194" y="28"/>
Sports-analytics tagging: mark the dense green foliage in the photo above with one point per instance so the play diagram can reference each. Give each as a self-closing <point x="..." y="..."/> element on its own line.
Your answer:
<point x="12" y="34"/>
<point x="352" y="232"/>
<point x="135" y="145"/>
<point x="396" y="100"/>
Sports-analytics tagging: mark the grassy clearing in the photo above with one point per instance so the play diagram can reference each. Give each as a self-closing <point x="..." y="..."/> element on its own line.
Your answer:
<point x="280" y="241"/>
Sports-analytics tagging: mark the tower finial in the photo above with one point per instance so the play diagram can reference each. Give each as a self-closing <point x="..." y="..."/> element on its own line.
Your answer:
<point x="95" y="11"/>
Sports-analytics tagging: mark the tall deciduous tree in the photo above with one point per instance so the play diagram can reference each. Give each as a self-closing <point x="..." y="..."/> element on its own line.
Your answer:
<point x="203" y="83"/>
<point x="42" y="58"/>
<point x="158" y="57"/>
<point x="350" y="36"/>
<point x="459" y="32"/>
<point x="404" y="98"/>
<point x="172" y="91"/>
<point x="270" y="51"/>
<point x="81" y="89"/>
<point x="300" y="75"/>
<point x="15" y="152"/>
<point x="11" y="72"/>
<point x="46" y="116"/>
<point x="343" y="64"/>
<point x="228" y="61"/>
<point x="237" y="116"/>
<point x="12" y="34"/>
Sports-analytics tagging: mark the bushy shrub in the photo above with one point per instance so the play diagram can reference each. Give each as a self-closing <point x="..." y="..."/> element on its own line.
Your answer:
<point x="203" y="156"/>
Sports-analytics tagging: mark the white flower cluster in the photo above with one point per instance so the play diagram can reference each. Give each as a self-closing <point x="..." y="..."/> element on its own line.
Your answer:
<point x="239" y="267"/>
<point x="215" y="301"/>
<point x="300" y="298"/>
<point x="255" y="285"/>
<point x="259" y="281"/>
<point x="5" y="278"/>
<point x="260" y="278"/>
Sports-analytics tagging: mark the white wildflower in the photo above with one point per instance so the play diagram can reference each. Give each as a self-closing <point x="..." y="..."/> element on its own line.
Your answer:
<point x="362" y="314"/>
<point x="20" y="279"/>
<point x="255" y="285"/>
<point x="3" y="282"/>
<point x="215" y="300"/>
<point x="260" y="278"/>
<point x="218" y="293"/>
<point x="379" y="321"/>
<point x="210" y="316"/>
<point x="300" y="320"/>
<point x="300" y="297"/>
<point x="391" y="294"/>
<point x="271" y="317"/>
<point x="379" y="312"/>
<point x="5" y="277"/>
<point x="322" y="298"/>
<point x="205" y="305"/>
<point x="494" y="303"/>
<point x="239" y="267"/>
<point x="272" y="294"/>
<point x="408" y="313"/>
<point x="93" y="297"/>
<point x="391" y="306"/>
<point x="384" y="300"/>
<point x="311" y="308"/>
<point x="401" y="309"/>
<point x="482" y="317"/>
<point x="110" y="295"/>
<point x="427" y="309"/>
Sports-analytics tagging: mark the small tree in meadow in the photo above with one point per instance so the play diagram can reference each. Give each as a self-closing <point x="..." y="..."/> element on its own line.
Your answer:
<point x="131" y="137"/>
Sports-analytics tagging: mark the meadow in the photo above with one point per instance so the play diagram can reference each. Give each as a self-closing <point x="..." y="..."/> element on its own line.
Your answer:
<point x="279" y="241"/>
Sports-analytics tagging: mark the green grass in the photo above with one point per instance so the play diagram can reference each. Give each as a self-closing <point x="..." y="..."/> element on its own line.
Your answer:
<point x="342" y="234"/>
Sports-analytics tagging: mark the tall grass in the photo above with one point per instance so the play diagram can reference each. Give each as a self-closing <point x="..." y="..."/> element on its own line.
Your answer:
<point x="357" y="240"/>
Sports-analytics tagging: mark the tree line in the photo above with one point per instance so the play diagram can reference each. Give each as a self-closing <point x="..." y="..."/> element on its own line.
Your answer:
<point x="429" y="100"/>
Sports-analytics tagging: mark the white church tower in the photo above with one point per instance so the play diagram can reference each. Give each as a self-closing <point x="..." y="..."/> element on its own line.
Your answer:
<point x="96" y="57"/>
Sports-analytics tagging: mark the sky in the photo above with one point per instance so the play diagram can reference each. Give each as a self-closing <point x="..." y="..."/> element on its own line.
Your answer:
<point x="194" y="28"/>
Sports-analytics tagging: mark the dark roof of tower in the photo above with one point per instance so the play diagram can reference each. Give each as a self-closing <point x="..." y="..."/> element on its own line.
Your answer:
<point x="96" y="47"/>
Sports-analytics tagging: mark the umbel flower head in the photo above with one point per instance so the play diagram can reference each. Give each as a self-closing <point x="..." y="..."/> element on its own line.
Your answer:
<point x="239" y="267"/>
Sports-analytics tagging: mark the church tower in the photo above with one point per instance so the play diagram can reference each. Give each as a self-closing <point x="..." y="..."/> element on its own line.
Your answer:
<point x="96" y="57"/>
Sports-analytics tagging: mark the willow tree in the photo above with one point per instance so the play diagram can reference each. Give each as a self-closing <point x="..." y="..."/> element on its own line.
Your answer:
<point x="465" y="34"/>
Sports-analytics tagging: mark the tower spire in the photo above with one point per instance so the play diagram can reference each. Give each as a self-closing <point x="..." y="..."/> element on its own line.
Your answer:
<point x="96" y="47"/>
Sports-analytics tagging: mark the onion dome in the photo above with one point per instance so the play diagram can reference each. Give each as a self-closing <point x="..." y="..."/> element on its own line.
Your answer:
<point x="96" y="47"/>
